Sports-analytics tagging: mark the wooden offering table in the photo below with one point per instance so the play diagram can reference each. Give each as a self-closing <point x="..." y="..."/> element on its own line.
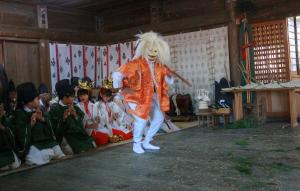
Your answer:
<point x="238" y="105"/>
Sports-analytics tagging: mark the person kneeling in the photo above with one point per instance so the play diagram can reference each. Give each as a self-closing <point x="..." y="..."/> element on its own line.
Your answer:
<point x="113" y="116"/>
<point x="67" y="120"/>
<point x="8" y="157"/>
<point x="34" y="136"/>
<point x="91" y="118"/>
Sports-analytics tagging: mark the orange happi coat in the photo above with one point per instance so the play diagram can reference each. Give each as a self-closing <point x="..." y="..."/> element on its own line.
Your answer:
<point x="137" y="76"/>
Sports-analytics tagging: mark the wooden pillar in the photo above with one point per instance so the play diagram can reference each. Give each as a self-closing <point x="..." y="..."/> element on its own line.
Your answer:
<point x="45" y="72"/>
<point x="233" y="42"/>
<point x="293" y="108"/>
<point x="238" y="106"/>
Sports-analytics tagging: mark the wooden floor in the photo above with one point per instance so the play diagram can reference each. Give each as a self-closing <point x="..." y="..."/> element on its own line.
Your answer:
<point x="266" y="158"/>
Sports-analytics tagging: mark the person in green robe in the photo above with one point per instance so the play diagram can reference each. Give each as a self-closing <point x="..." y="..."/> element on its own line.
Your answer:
<point x="35" y="139"/>
<point x="67" y="120"/>
<point x="8" y="157"/>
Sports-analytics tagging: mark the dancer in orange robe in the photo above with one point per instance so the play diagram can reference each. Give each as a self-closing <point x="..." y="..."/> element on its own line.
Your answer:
<point x="144" y="83"/>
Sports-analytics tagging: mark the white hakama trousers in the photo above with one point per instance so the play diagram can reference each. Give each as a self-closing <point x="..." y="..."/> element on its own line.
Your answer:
<point x="139" y="126"/>
<point x="40" y="157"/>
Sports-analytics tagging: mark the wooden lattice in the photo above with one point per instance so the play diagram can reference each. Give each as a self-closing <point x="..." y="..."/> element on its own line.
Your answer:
<point x="271" y="53"/>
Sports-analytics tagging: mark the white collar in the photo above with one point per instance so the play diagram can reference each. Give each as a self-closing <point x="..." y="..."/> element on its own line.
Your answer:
<point x="149" y="61"/>
<point x="41" y="103"/>
<point x="61" y="103"/>
<point x="28" y="110"/>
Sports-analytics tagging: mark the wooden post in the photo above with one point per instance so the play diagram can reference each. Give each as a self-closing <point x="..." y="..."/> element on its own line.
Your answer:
<point x="293" y="108"/>
<point x="233" y="42"/>
<point x="45" y="73"/>
<point x="238" y="106"/>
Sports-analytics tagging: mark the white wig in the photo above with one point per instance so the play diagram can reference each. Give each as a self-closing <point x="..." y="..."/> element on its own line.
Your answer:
<point x="149" y="39"/>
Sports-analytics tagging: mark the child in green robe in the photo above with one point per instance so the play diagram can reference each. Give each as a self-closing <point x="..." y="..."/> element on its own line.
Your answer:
<point x="67" y="120"/>
<point x="35" y="138"/>
<point x="8" y="157"/>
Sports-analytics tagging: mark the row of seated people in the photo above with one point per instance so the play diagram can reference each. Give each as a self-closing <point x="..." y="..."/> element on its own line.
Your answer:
<point x="39" y="129"/>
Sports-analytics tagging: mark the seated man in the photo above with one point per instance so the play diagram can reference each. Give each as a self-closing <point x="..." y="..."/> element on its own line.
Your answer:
<point x="35" y="139"/>
<point x="45" y="98"/>
<point x="8" y="157"/>
<point x="11" y="102"/>
<point x="67" y="120"/>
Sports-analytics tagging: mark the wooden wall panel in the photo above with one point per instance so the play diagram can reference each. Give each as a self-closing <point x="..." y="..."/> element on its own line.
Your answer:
<point x="45" y="62"/>
<point x="18" y="15"/>
<point x="67" y="21"/>
<point x="1" y="53"/>
<point x="274" y="9"/>
<point x="22" y="62"/>
<point x="280" y="102"/>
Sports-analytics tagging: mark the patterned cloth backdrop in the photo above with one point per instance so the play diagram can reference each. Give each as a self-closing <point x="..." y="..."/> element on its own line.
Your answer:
<point x="104" y="60"/>
<point x="201" y="57"/>
<point x="113" y="58"/>
<point x="64" y="61"/>
<point x="53" y="64"/>
<point x="126" y="51"/>
<point x="77" y="63"/>
<point x="90" y="62"/>
<point x="98" y="68"/>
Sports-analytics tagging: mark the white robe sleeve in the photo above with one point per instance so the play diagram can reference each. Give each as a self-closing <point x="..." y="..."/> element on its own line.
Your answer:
<point x="117" y="79"/>
<point x="169" y="80"/>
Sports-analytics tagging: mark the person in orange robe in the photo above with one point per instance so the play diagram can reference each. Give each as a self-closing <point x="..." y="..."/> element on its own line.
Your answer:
<point x="144" y="84"/>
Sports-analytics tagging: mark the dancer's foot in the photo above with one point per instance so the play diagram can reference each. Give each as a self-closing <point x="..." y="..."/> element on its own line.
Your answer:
<point x="137" y="148"/>
<point x="149" y="146"/>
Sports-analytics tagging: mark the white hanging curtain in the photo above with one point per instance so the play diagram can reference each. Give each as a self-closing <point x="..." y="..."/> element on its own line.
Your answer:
<point x="201" y="57"/>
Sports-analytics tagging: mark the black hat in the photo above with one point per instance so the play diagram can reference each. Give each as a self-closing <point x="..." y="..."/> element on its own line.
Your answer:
<point x="75" y="81"/>
<point x="26" y="93"/>
<point x="11" y="86"/>
<point x="64" y="88"/>
<point x="43" y="89"/>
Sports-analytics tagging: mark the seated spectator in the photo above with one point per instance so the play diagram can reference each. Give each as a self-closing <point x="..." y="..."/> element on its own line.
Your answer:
<point x="91" y="118"/>
<point x="112" y="116"/>
<point x="35" y="139"/>
<point x="8" y="157"/>
<point x="67" y="120"/>
<point x="45" y="98"/>
<point x="11" y="102"/>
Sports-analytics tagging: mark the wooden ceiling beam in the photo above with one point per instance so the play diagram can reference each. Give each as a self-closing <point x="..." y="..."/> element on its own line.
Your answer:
<point x="103" y="4"/>
<point x="194" y="23"/>
<point x="124" y="9"/>
<point x="169" y="27"/>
